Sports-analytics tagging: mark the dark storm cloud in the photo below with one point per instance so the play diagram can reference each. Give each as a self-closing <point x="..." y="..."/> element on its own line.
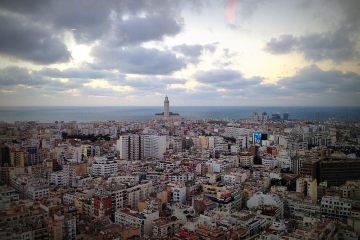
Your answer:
<point x="282" y="44"/>
<point x="136" y="29"/>
<point x="138" y="60"/>
<point x="226" y="78"/>
<point x="103" y="92"/>
<point x="351" y="10"/>
<point x="12" y="76"/>
<point x="310" y="81"/>
<point x="26" y="40"/>
<point x="89" y="19"/>
<point x="16" y="76"/>
<point x="76" y="73"/>
<point x="194" y="50"/>
<point x="248" y="7"/>
<point x="314" y="80"/>
<point x="337" y="46"/>
<point x="348" y="11"/>
<point x="31" y="30"/>
<point x="153" y="84"/>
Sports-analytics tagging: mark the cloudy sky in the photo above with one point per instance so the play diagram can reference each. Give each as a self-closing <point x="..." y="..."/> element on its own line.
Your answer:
<point x="133" y="52"/>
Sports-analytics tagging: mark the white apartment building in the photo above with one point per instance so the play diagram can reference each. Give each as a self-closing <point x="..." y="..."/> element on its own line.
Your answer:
<point x="216" y="142"/>
<point x="182" y="177"/>
<point x="246" y="160"/>
<point x="104" y="167"/>
<point x="334" y="206"/>
<point x="167" y="165"/>
<point x="143" y="219"/>
<point x="138" y="193"/>
<point x="179" y="193"/>
<point x="154" y="146"/>
<point x="69" y="199"/>
<point x="60" y="178"/>
<point x="34" y="188"/>
<point x="91" y="151"/>
<point x="38" y="192"/>
<point x="301" y="208"/>
<point x="284" y="159"/>
<point x="235" y="177"/>
<point x="269" y="163"/>
<point x="130" y="197"/>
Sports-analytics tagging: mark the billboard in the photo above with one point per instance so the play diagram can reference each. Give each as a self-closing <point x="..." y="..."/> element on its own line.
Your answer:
<point x="257" y="137"/>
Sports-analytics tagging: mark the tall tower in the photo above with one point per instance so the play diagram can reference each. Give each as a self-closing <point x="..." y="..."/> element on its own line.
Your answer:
<point x="166" y="107"/>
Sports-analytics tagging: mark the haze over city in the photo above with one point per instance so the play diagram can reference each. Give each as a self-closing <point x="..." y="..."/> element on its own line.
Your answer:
<point x="200" y="53"/>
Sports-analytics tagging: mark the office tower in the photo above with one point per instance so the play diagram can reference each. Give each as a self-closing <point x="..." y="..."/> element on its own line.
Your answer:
<point x="264" y="117"/>
<point x="4" y="156"/>
<point x="275" y="117"/>
<point x="31" y="155"/>
<point x="317" y="116"/>
<point x="256" y="116"/>
<point x="338" y="170"/>
<point x="286" y="116"/>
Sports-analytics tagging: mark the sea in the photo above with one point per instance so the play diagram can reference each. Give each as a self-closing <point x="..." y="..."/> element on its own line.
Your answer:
<point x="118" y="113"/>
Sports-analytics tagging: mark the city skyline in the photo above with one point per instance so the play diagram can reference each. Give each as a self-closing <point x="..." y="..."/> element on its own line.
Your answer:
<point x="199" y="53"/>
<point x="179" y="119"/>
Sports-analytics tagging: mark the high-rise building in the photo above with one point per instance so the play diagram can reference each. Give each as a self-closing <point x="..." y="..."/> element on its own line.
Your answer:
<point x="17" y="157"/>
<point x="286" y="116"/>
<point x="264" y="117"/>
<point x="275" y="117"/>
<point x="256" y="116"/>
<point x="136" y="147"/>
<point x="154" y="146"/>
<point x="337" y="170"/>
<point x="130" y="147"/>
<point x="32" y="157"/>
<point x="4" y="156"/>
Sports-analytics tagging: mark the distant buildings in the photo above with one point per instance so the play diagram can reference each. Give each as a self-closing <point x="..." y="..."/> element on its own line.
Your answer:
<point x="193" y="179"/>
<point x="264" y="117"/>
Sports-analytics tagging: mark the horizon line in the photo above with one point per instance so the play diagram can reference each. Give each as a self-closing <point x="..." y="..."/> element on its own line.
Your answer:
<point x="179" y="106"/>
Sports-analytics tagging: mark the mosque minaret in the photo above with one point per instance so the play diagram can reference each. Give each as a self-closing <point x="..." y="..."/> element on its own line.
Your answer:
<point x="166" y="107"/>
<point x="166" y="115"/>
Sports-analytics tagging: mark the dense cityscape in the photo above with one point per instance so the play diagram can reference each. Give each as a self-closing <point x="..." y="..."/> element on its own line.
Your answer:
<point x="266" y="177"/>
<point x="179" y="120"/>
